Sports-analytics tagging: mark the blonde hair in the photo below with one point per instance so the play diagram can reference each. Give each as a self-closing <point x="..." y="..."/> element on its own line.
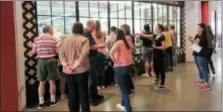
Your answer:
<point x="62" y="37"/>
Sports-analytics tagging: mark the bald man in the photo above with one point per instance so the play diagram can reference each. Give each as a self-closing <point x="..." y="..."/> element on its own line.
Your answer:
<point x="94" y="97"/>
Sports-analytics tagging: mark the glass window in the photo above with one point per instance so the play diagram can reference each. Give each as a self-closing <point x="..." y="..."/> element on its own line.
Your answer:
<point x="143" y="11"/>
<point x="154" y="11"/>
<point x="104" y="24"/>
<point x="128" y="9"/>
<point x="148" y="9"/>
<point x="58" y="25"/>
<point x="42" y="21"/>
<point x="121" y="22"/>
<point x="178" y="13"/>
<point x="57" y="8"/>
<point x="114" y="22"/>
<point x="178" y="27"/>
<point x="83" y="9"/>
<point x="69" y="21"/>
<point x="178" y="40"/>
<point x="142" y="22"/>
<point x="136" y="10"/>
<point x="43" y="7"/>
<point x="84" y="21"/>
<point x="93" y="9"/>
<point x="154" y="25"/>
<point x="137" y="26"/>
<point x="170" y="13"/>
<point x="160" y="12"/>
<point x="174" y="13"/>
<point x="103" y="12"/>
<point x="70" y="9"/>
<point x="121" y="9"/>
<point x="114" y="9"/>
<point x="165" y="13"/>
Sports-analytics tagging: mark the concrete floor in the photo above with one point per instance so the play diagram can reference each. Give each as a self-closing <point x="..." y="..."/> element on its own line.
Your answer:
<point x="181" y="94"/>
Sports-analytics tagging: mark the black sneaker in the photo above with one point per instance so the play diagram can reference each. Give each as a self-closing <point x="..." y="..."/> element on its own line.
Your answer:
<point x="53" y="104"/>
<point x="40" y="106"/>
<point x="99" y="97"/>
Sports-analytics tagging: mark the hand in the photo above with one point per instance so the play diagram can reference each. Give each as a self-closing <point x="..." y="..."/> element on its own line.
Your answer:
<point x="137" y="34"/>
<point x="102" y="45"/>
<point x="68" y="70"/>
<point x="153" y="45"/>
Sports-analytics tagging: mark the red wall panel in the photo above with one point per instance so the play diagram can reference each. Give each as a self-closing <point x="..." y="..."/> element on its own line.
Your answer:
<point x="205" y="12"/>
<point x="9" y="88"/>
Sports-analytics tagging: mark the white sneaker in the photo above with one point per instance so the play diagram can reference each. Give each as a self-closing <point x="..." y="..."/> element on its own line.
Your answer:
<point x="121" y="107"/>
<point x="146" y="75"/>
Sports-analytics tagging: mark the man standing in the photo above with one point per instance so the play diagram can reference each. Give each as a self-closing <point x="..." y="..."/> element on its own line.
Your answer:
<point x="147" y="52"/>
<point x="46" y="47"/>
<point x="93" y="55"/>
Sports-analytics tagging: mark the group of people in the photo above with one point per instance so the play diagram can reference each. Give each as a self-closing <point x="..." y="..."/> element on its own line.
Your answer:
<point x="82" y="58"/>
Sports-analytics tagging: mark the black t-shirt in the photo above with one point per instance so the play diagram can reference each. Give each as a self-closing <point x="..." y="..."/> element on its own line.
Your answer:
<point x="202" y="43"/>
<point x="158" y="42"/>
<point x="91" y="41"/>
<point x="146" y="42"/>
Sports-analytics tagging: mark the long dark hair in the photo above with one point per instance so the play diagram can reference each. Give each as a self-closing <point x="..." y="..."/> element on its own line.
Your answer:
<point x="204" y="33"/>
<point x="121" y="36"/>
<point x="209" y="31"/>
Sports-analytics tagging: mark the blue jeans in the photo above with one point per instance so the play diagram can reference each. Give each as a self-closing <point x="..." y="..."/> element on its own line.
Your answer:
<point x="122" y="76"/>
<point x="202" y="63"/>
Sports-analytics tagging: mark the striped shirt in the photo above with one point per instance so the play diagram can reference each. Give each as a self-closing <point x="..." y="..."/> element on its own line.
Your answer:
<point x="46" y="46"/>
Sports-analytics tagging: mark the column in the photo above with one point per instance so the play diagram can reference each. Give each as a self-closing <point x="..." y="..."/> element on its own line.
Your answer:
<point x="9" y="84"/>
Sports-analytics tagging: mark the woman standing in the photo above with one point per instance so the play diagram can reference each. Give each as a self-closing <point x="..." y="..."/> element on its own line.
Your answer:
<point x="201" y="56"/>
<point x="99" y="37"/>
<point x="174" y="39"/>
<point x="169" y="47"/>
<point x="121" y="55"/>
<point x="126" y="29"/>
<point x="74" y="58"/>
<point x="158" y="54"/>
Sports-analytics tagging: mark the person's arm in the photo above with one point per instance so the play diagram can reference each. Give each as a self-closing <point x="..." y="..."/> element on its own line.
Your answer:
<point x="62" y="56"/>
<point x="84" y="53"/>
<point x="145" y="36"/>
<point x="112" y="51"/>
<point x="34" y="48"/>
<point x="57" y="46"/>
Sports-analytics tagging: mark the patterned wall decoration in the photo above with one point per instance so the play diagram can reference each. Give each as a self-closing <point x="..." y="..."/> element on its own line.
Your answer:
<point x="181" y="51"/>
<point x="30" y="32"/>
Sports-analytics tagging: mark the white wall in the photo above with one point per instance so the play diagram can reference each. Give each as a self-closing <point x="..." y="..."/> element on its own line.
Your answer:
<point x="192" y="18"/>
<point x="20" y="54"/>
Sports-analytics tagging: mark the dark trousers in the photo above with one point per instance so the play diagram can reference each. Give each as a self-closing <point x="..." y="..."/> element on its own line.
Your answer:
<point x="130" y="84"/>
<point x="169" y="52"/>
<point x="158" y="63"/>
<point x="92" y="84"/>
<point x="100" y="79"/>
<point x="122" y="76"/>
<point x="210" y="62"/>
<point x="78" y="92"/>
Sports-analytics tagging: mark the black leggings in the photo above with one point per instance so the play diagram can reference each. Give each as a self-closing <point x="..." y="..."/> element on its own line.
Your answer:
<point x="169" y="52"/>
<point x="210" y="63"/>
<point x="158" y="63"/>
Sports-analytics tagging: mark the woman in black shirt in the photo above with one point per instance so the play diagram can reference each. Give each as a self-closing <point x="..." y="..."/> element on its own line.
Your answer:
<point x="158" y="56"/>
<point x="201" y="56"/>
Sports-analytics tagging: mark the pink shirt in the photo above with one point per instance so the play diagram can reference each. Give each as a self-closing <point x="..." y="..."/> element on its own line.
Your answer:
<point x="123" y="56"/>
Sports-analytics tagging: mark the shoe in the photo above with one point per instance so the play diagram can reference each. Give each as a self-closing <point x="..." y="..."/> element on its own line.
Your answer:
<point x="93" y="103"/>
<point x="62" y="97"/>
<point x="159" y="87"/>
<point x="213" y="71"/>
<point x="199" y="83"/>
<point x="99" y="97"/>
<point x="40" y="106"/>
<point x="145" y="75"/>
<point x="121" y="107"/>
<point x="53" y="104"/>
<point x="205" y="87"/>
